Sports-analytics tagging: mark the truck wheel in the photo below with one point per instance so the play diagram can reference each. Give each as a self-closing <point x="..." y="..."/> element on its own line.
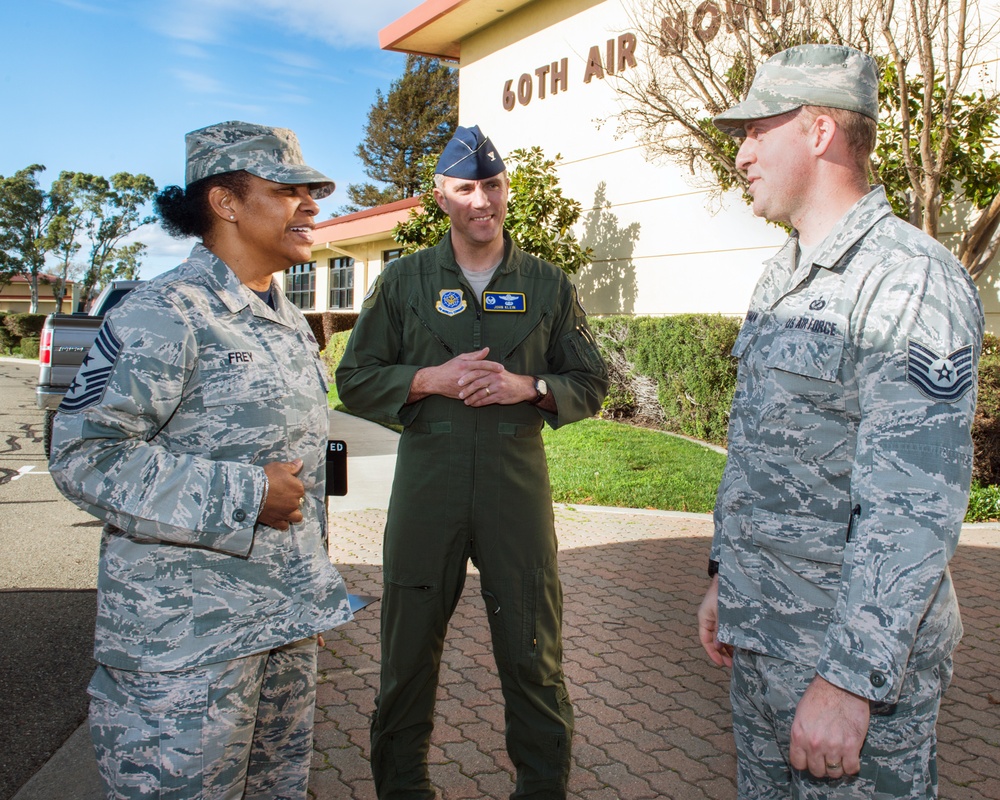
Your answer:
<point x="50" y="417"/>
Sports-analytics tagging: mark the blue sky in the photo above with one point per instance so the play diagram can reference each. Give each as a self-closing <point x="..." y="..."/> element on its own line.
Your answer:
<point x="104" y="86"/>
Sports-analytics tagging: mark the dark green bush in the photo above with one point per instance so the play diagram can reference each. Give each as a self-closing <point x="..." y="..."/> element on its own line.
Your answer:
<point x="334" y="351"/>
<point x="29" y="347"/>
<point x="21" y="325"/>
<point x="676" y="373"/>
<point x="688" y="358"/>
<point x="986" y="426"/>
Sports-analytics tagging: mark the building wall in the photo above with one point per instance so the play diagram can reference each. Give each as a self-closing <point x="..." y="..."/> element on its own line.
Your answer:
<point x="367" y="267"/>
<point x="15" y="298"/>
<point x="661" y="244"/>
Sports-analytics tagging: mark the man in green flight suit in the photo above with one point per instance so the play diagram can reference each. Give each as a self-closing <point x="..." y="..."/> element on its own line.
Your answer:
<point x="472" y="345"/>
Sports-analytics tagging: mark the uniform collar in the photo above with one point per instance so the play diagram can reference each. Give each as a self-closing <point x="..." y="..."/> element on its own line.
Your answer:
<point x="848" y="231"/>
<point x="852" y="227"/>
<point x="231" y="291"/>
<point x="446" y="254"/>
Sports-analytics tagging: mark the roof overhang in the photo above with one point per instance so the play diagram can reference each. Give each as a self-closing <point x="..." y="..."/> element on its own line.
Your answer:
<point x="362" y="226"/>
<point x="437" y="27"/>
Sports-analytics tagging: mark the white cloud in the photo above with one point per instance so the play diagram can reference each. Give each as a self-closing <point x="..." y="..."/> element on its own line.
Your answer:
<point x="163" y="251"/>
<point x="337" y="22"/>
<point x="198" y="82"/>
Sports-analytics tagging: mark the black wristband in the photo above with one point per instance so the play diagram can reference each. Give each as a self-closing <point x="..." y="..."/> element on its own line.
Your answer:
<point x="713" y="568"/>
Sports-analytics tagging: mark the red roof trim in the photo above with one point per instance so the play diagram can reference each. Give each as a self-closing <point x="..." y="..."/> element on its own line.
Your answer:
<point x="417" y="19"/>
<point x="388" y="208"/>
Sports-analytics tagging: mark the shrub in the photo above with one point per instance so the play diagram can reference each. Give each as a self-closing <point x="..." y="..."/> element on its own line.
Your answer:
<point x="686" y="357"/>
<point x="984" y="503"/>
<point x="7" y="340"/>
<point x="333" y="352"/>
<point x="986" y="425"/>
<point x="29" y="347"/>
<point x="21" y="325"/>
<point x="326" y="323"/>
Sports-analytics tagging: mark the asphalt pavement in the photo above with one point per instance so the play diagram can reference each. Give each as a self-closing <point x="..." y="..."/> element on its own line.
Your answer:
<point x="652" y="713"/>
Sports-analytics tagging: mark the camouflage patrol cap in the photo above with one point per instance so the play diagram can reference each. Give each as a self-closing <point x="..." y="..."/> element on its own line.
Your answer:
<point x="269" y="153"/>
<point x="470" y="155"/>
<point x="807" y="75"/>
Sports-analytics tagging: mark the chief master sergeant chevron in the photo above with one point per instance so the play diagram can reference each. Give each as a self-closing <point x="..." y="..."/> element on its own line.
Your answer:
<point x="850" y="456"/>
<point x="472" y="345"/>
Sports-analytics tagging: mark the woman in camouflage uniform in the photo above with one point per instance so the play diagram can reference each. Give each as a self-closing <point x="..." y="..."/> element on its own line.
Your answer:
<point x="196" y="429"/>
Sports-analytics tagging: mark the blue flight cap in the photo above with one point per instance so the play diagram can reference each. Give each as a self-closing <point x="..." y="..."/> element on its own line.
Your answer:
<point x="470" y="156"/>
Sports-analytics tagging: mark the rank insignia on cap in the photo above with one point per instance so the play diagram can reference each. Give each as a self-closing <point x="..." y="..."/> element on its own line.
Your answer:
<point x="942" y="378"/>
<point x="452" y="302"/>
<point x="504" y="301"/>
<point x="92" y="378"/>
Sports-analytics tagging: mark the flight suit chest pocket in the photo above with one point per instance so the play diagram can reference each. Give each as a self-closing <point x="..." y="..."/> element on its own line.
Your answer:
<point x="431" y="332"/>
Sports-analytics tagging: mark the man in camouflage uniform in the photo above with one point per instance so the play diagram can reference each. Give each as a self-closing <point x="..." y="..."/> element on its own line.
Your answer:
<point x="472" y="345"/>
<point x="850" y="456"/>
<point x="196" y="429"/>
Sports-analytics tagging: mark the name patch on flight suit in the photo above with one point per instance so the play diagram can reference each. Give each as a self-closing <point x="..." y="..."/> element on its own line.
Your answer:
<point x="504" y="301"/>
<point x="451" y="302"/>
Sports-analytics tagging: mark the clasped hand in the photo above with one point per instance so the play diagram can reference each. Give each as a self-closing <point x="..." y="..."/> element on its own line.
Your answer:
<point x="471" y="378"/>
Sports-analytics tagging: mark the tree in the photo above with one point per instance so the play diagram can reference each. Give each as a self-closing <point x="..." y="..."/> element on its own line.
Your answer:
<point x="112" y="211"/>
<point x="416" y="119"/>
<point x="24" y="217"/>
<point x="65" y="228"/>
<point x="938" y="138"/>
<point x="539" y="217"/>
<point x="78" y="207"/>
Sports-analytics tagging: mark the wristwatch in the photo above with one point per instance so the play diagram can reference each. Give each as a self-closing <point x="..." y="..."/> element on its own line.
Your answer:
<point x="541" y="391"/>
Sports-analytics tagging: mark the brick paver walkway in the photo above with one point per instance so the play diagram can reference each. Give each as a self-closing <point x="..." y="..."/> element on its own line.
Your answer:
<point x="652" y="713"/>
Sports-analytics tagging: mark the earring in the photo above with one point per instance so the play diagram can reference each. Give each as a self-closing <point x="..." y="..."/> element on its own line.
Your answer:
<point x="232" y="216"/>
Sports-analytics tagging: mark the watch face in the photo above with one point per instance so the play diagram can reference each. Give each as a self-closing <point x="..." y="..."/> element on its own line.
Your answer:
<point x="541" y="387"/>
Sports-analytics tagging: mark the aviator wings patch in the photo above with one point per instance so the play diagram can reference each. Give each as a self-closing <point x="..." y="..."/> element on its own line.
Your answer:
<point x="942" y="378"/>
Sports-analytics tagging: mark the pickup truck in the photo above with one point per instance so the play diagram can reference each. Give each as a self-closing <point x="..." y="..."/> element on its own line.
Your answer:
<point x="66" y="339"/>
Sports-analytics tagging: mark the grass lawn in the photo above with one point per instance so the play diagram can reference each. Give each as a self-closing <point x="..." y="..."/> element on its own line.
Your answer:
<point x="604" y="463"/>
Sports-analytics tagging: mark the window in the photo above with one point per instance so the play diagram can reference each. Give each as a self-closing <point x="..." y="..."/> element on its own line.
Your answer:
<point x="342" y="282"/>
<point x="300" y="285"/>
<point x="391" y="255"/>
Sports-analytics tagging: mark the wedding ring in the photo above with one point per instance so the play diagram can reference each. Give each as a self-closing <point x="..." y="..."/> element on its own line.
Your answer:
<point x="487" y="391"/>
<point x="833" y="766"/>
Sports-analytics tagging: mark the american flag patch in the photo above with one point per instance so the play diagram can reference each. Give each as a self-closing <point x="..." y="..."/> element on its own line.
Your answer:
<point x="942" y="378"/>
<point x="92" y="378"/>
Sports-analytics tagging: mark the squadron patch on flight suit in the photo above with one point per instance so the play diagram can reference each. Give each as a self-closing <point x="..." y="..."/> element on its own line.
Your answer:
<point x="92" y="378"/>
<point x="504" y="301"/>
<point x="942" y="378"/>
<point x="452" y="302"/>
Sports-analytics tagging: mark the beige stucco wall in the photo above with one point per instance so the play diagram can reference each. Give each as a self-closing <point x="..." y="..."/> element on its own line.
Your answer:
<point x="368" y="265"/>
<point x="661" y="245"/>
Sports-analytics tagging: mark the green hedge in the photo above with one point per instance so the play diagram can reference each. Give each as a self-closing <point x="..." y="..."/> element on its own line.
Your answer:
<point x="29" y="347"/>
<point x="325" y="324"/>
<point x="676" y="373"/>
<point x="334" y="351"/>
<point x="21" y="325"/>
<point x="986" y="427"/>
<point x="686" y="358"/>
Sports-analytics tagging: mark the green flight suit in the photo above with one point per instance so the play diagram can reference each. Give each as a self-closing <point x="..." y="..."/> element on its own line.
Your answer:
<point x="471" y="483"/>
